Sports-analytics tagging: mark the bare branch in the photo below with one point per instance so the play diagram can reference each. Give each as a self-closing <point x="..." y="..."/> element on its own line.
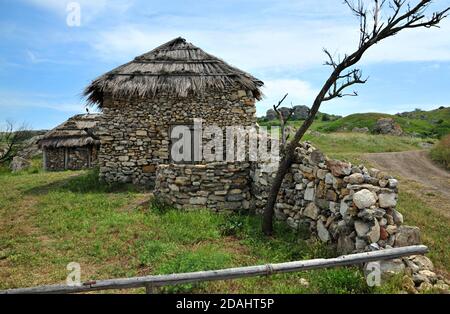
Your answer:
<point x="373" y="29"/>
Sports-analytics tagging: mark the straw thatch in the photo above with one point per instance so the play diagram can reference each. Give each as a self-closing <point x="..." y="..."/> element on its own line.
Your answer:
<point x="177" y="67"/>
<point x="76" y="132"/>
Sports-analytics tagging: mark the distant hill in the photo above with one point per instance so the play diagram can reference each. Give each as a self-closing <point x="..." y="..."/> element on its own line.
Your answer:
<point x="434" y="123"/>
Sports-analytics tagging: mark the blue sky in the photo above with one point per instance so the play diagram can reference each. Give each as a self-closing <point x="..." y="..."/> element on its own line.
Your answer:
<point x="45" y="64"/>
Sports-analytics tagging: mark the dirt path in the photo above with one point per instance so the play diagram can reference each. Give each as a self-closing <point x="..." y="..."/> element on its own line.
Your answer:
<point x="414" y="165"/>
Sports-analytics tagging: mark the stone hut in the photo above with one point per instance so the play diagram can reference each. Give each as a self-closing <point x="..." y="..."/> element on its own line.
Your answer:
<point x="144" y="99"/>
<point x="72" y="145"/>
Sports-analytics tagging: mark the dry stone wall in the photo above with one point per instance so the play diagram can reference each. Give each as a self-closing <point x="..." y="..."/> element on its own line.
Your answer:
<point x="72" y="158"/>
<point x="218" y="186"/>
<point x="134" y="132"/>
<point x="351" y="206"/>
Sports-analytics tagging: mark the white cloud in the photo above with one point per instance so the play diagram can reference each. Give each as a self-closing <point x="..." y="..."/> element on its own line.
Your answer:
<point x="299" y="46"/>
<point x="300" y="93"/>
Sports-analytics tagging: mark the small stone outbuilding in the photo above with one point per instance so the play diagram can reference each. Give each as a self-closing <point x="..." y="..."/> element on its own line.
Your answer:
<point x="72" y="145"/>
<point x="168" y="86"/>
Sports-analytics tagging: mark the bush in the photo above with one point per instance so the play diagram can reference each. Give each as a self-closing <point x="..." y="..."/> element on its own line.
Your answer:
<point x="441" y="152"/>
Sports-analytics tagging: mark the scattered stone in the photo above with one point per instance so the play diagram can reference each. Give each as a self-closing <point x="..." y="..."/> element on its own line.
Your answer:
<point x="392" y="267"/>
<point x="422" y="262"/>
<point x="408" y="285"/>
<point x="407" y="235"/>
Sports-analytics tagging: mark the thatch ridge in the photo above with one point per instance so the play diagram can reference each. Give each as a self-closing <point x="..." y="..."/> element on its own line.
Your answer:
<point x="72" y="133"/>
<point x="176" y="67"/>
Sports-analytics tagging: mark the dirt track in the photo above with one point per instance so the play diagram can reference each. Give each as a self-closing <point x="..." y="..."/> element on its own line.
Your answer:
<point x="413" y="165"/>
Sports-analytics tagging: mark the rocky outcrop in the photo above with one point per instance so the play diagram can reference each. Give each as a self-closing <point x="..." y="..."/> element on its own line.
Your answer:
<point x="300" y="113"/>
<point x="387" y="126"/>
<point x="31" y="148"/>
<point x="19" y="163"/>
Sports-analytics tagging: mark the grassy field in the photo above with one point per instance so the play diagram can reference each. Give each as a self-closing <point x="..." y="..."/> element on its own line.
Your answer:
<point x="50" y="219"/>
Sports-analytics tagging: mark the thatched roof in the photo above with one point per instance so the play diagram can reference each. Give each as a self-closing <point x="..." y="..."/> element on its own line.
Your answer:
<point x="78" y="131"/>
<point x="177" y="67"/>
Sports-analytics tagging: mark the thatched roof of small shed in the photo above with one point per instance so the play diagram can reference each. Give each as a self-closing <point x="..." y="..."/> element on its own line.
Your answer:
<point x="78" y="131"/>
<point x="177" y="67"/>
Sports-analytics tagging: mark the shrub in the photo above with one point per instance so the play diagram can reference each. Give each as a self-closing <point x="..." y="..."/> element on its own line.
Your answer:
<point x="441" y="151"/>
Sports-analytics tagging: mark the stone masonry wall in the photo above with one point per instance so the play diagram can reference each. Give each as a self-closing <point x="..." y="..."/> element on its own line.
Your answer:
<point x="218" y="186"/>
<point x="349" y="205"/>
<point x="77" y="158"/>
<point x="134" y="132"/>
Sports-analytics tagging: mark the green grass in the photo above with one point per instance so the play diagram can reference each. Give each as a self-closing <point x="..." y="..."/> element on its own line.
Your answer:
<point x="435" y="231"/>
<point x="441" y="152"/>
<point x="424" y="124"/>
<point x="350" y="146"/>
<point x="50" y="219"/>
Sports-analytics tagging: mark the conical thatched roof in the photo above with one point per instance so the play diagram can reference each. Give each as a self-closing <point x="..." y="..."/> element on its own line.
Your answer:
<point x="176" y="67"/>
<point x="76" y="132"/>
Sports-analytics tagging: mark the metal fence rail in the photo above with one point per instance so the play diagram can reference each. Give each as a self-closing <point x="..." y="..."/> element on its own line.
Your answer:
<point x="150" y="282"/>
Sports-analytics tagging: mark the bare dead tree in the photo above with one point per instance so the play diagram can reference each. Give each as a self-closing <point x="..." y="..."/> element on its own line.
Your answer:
<point x="379" y="20"/>
<point x="283" y="120"/>
<point x="11" y="140"/>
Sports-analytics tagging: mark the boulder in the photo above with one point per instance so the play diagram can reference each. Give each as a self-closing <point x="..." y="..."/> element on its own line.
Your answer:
<point x="364" y="199"/>
<point x="422" y="262"/>
<point x="387" y="126"/>
<point x="407" y="235"/>
<point x="300" y="112"/>
<point x="19" y="163"/>
<point x="271" y="115"/>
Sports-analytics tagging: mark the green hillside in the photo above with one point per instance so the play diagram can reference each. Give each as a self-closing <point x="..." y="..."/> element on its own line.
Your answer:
<point x="435" y="123"/>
